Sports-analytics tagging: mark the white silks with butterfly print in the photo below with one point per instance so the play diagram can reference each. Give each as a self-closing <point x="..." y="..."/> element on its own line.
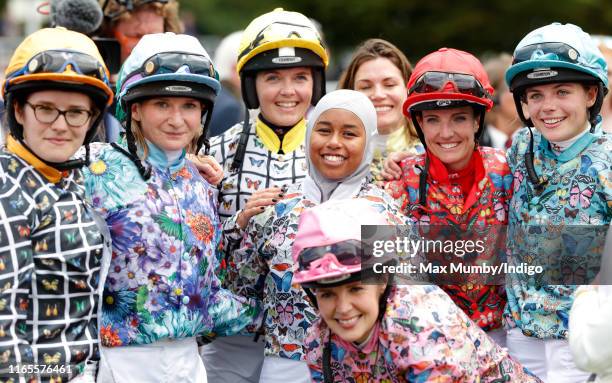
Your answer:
<point x="316" y="186"/>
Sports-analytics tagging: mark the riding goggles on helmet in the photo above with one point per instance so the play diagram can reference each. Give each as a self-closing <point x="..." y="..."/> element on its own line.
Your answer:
<point x="58" y="61"/>
<point x="547" y="51"/>
<point x="347" y="253"/>
<point x="171" y="62"/>
<point x="431" y="82"/>
<point x="281" y="30"/>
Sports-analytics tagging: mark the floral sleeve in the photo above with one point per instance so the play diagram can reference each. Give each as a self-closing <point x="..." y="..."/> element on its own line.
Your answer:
<point x="231" y="311"/>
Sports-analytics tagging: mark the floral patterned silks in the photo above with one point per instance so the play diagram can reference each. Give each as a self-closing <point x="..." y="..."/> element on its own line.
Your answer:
<point x="263" y="268"/>
<point x="486" y="205"/>
<point x="165" y="232"/>
<point x="577" y="191"/>
<point x="422" y="337"/>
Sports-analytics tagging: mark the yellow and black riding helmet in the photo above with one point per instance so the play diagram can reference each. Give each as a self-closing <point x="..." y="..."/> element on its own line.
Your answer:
<point x="56" y="59"/>
<point x="276" y="40"/>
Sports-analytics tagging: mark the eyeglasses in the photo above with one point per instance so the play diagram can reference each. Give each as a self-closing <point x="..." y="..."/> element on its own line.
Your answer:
<point x="47" y="114"/>
<point x="57" y="62"/>
<point x="127" y="6"/>
<point x="436" y="81"/>
<point x="281" y="30"/>
<point x="544" y="51"/>
<point x="171" y="62"/>
<point x="348" y="253"/>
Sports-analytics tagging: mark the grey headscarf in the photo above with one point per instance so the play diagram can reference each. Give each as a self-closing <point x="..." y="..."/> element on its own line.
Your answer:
<point x="316" y="186"/>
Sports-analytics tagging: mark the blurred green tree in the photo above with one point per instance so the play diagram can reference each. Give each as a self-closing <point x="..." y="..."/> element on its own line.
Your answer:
<point x="416" y="26"/>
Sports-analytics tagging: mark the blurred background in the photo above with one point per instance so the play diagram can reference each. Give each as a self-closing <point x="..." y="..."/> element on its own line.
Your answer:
<point x="415" y="26"/>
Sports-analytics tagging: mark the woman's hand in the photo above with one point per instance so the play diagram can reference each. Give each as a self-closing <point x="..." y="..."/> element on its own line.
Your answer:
<point x="391" y="169"/>
<point x="208" y="167"/>
<point x="257" y="204"/>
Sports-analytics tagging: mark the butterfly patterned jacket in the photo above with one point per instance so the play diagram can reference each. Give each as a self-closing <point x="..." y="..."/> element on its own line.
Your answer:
<point x="486" y="205"/>
<point x="577" y="191"/>
<point x="165" y="232"/>
<point x="422" y="337"/>
<point x="268" y="162"/>
<point x="52" y="255"/>
<point x="263" y="268"/>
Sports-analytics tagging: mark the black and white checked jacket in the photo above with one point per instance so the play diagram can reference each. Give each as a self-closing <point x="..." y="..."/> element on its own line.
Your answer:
<point x="51" y="250"/>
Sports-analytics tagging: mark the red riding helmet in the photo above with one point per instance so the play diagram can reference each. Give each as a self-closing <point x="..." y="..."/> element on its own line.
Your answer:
<point x="448" y="78"/>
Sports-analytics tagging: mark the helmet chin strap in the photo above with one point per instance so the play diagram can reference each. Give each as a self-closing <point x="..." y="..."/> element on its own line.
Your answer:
<point x="61" y="166"/>
<point x="529" y="155"/>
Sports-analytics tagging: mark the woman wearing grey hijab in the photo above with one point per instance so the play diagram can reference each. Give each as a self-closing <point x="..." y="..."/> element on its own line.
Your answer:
<point x="338" y="146"/>
<point x="357" y="121"/>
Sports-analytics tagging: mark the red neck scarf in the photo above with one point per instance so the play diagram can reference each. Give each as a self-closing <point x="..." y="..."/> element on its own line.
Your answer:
<point x="465" y="178"/>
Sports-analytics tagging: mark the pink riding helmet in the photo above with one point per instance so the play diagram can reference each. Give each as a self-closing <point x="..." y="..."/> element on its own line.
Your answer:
<point x="327" y="224"/>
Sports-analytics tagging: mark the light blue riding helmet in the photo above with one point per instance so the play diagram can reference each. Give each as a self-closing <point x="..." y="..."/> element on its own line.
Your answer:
<point x="166" y="65"/>
<point x="552" y="54"/>
<point x="557" y="53"/>
<point x="558" y="46"/>
<point x="164" y="58"/>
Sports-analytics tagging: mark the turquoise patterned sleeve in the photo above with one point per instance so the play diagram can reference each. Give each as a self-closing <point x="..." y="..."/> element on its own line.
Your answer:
<point x="518" y="142"/>
<point x="605" y="176"/>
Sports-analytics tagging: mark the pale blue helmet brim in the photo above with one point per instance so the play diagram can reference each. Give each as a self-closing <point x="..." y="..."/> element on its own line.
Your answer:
<point x="528" y="66"/>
